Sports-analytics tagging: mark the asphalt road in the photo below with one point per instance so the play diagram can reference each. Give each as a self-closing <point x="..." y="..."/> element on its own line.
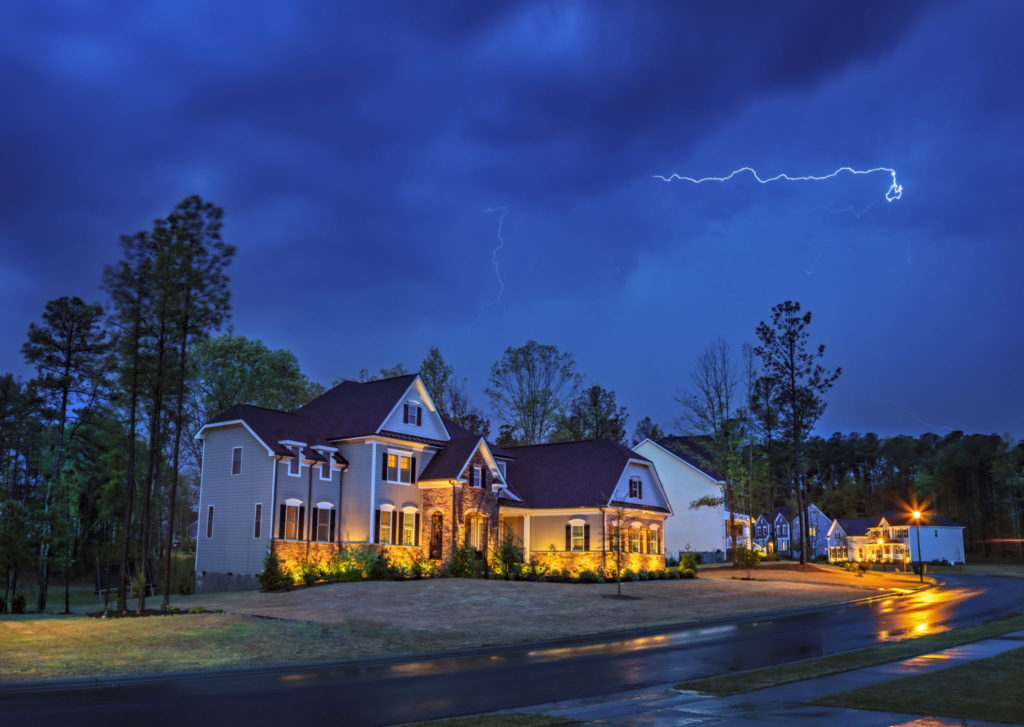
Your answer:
<point x="389" y="692"/>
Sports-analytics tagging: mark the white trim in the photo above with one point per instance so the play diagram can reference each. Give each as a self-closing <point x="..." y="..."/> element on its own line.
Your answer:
<point x="554" y="511"/>
<point x="636" y="524"/>
<point x="326" y="467"/>
<point x="676" y="456"/>
<point x="427" y="401"/>
<point x="401" y="453"/>
<point x="293" y="501"/>
<point x="654" y="526"/>
<point x="202" y="477"/>
<point x="386" y="507"/>
<point x="294" y="456"/>
<point x="577" y="521"/>
<point x="233" y="422"/>
<point x="412" y="509"/>
<point x="374" y="461"/>
<point x="324" y="506"/>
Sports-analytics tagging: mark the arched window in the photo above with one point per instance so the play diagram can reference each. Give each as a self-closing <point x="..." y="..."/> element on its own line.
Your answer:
<point x="293" y="520"/>
<point x="409" y="524"/>
<point x="385" y="524"/>
<point x="577" y="535"/>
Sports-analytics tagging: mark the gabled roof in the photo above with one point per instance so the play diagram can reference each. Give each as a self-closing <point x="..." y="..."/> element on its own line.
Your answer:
<point x="353" y="409"/>
<point x="854" y="526"/>
<point x="569" y="474"/>
<point x="694" y="450"/>
<point x="269" y="425"/>
<point x="903" y="518"/>
<point x="449" y="462"/>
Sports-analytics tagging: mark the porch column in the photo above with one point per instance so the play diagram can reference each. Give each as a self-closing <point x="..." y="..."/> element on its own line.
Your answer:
<point x="526" y="538"/>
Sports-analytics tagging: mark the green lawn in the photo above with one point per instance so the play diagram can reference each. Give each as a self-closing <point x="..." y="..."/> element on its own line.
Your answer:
<point x="989" y="689"/>
<point x="748" y="681"/>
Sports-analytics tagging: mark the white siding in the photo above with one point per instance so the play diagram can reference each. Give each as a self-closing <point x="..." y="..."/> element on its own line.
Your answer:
<point x="355" y="494"/>
<point x="431" y="425"/>
<point x="548" y="530"/>
<point x="700" y="530"/>
<point x="233" y="549"/>
<point x="937" y="543"/>
<point x="650" y="492"/>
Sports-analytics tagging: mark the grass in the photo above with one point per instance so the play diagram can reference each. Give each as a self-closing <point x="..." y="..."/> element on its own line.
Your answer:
<point x="1014" y="570"/>
<point x="987" y="689"/>
<point x="748" y="681"/>
<point x="509" y="719"/>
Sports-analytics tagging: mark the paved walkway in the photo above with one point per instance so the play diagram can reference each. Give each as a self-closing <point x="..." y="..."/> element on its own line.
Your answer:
<point x="782" y="705"/>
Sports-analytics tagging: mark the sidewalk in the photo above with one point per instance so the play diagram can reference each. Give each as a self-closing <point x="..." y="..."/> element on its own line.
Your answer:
<point x="782" y="705"/>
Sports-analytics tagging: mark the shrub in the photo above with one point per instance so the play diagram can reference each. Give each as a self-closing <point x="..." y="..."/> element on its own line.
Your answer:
<point x="747" y="558"/>
<point x="672" y="574"/>
<point x="379" y="568"/>
<point x="534" y="571"/>
<point x="689" y="560"/>
<point x="687" y="573"/>
<point x="463" y="563"/>
<point x="662" y="575"/>
<point x="307" y="573"/>
<point x="554" y="576"/>
<point x="588" y="576"/>
<point x="628" y="575"/>
<point x="273" y="578"/>
<point x="196" y="609"/>
<point x="18" y="603"/>
<point x="670" y="561"/>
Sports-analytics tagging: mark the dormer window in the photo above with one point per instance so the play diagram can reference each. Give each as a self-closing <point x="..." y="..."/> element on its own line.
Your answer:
<point x="636" y="487"/>
<point x="476" y="477"/>
<point x="296" y="461"/>
<point x="325" y="468"/>
<point x="412" y="413"/>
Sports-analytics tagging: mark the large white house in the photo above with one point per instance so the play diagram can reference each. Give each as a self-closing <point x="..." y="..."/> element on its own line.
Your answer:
<point x="684" y="469"/>
<point x="894" y="536"/>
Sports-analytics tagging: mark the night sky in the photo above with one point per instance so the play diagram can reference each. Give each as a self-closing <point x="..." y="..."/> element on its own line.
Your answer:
<point x="364" y="154"/>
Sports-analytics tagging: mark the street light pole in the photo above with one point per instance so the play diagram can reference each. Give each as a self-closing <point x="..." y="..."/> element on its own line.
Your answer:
<point x="920" y="563"/>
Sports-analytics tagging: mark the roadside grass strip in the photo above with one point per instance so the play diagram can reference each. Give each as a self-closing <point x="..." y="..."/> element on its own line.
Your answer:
<point x="754" y="679"/>
<point x="991" y="690"/>
<point x="509" y="719"/>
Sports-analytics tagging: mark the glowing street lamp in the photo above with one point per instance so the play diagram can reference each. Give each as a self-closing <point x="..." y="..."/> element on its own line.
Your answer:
<point x="920" y="564"/>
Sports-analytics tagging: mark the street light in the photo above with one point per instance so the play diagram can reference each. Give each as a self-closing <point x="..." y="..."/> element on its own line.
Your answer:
<point x="920" y="564"/>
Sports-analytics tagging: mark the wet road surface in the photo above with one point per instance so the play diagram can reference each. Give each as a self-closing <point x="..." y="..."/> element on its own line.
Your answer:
<point x="386" y="692"/>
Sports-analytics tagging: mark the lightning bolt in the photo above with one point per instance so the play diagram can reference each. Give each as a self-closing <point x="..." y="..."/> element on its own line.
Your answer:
<point x="895" y="191"/>
<point x="494" y="252"/>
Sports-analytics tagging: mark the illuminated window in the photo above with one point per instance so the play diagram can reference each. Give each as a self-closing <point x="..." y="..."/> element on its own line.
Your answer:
<point x="636" y="487"/>
<point x="614" y="538"/>
<point x="475" y="534"/>
<point x="323" y="524"/>
<point x="258" y="521"/>
<point x="634" y="535"/>
<point x="236" y="461"/>
<point x="408" y="528"/>
<point x="291" y="522"/>
<point x="577" y="537"/>
<point x="384" y="536"/>
<point x="399" y="468"/>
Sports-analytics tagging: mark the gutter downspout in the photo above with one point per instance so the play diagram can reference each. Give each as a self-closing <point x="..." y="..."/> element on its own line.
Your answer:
<point x="273" y="502"/>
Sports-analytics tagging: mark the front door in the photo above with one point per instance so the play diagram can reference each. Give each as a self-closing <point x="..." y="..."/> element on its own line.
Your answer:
<point x="436" y="535"/>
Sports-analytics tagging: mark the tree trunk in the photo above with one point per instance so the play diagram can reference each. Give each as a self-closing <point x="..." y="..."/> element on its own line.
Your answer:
<point x="129" y="495"/>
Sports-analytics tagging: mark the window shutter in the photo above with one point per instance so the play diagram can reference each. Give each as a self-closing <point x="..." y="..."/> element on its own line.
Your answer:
<point x="412" y="472"/>
<point x="568" y="536"/>
<point x="384" y="467"/>
<point x="314" y="523"/>
<point x="280" y="522"/>
<point x="417" y="540"/>
<point x="332" y="526"/>
<point x="405" y="413"/>
<point x="419" y="416"/>
<point x="484" y="471"/>
<point x="302" y="519"/>
<point x="394" y="527"/>
<point x="586" y="536"/>
<point x="376" y="527"/>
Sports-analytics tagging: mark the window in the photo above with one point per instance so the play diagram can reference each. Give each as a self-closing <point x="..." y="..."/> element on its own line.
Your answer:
<point x="323" y="524"/>
<point x="291" y="522"/>
<point x="655" y="542"/>
<point x="501" y="467"/>
<point x="477" y="477"/>
<point x="398" y="467"/>
<point x="577" y="537"/>
<point x="412" y="414"/>
<point x="811" y="531"/>
<point x="614" y="538"/>
<point x="408" y="528"/>
<point x="258" y="522"/>
<point x="236" y="461"/>
<point x="325" y="468"/>
<point x="209" y="522"/>
<point x="634" y="534"/>
<point x="295" y="464"/>
<point x="636" y="487"/>
<point x="475" y="532"/>
<point x="384" y="533"/>
<point x="901" y="533"/>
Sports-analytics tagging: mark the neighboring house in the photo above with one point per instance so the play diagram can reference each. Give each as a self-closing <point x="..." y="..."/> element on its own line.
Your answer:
<point x="375" y="463"/>
<point x="683" y="467"/>
<point x="847" y="539"/>
<point x="892" y="537"/>
<point x="772" y="532"/>
<point x="818" y="524"/>
<point x="742" y="526"/>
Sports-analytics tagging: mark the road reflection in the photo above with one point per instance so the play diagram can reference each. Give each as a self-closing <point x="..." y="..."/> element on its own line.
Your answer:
<point x="920" y="614"/>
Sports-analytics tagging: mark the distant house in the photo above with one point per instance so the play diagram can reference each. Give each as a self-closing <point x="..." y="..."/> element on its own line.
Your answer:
<point x="743" y="527"/>
<point x="817" y="531"/>
<point x="772" y="532"/>
<point x="683" y="466"/>
<point x="375" y="463"/>
<point x="893" y="537"/>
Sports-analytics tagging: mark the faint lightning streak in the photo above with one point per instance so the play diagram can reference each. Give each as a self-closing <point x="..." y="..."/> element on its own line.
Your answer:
<point x="894" y="192"/>
<point x="494" y="252"/>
